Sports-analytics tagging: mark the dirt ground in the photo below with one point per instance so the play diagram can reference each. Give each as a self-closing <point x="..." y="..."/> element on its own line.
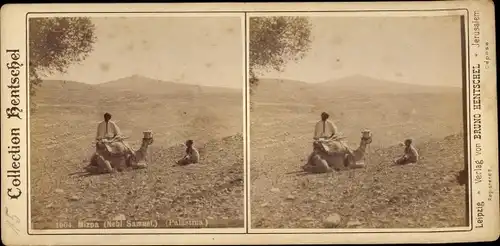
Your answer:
<point x="63" y="127"/>
<point x="380" y="196"/>
<point x="422" y="195"/>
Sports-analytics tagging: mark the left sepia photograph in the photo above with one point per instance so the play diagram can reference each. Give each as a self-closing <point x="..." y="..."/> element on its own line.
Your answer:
<point x="136" y="122"/>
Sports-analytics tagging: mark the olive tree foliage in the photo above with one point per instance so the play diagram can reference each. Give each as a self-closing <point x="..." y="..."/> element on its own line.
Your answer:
<point x="56" y="43"/>
<point x="276" y="40"/>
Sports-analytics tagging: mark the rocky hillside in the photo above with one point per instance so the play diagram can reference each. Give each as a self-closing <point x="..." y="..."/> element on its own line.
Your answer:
<point x="422" y="195"/>
<point x="211" y="189"/>
<point x="63" y="128"/>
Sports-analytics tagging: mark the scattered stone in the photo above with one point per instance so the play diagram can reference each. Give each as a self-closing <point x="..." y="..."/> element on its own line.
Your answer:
<point x="74" y="198"/>
<point x="332" y="221"/>
<point x="225" y="218"/>
<point x="309" y="200"/>
<point x="275" y="190"/>
<point x="354" y="223"/>
<point x="59" y="191"/>
<point x="264" y="204"/>
<point x="324" y="202"/>
<point x="51" y="205"/>
<point x="308" y="218"/>
<point x="290" y="197"/>
<point x="120" y="217"/>
<point x="210" y="218"/>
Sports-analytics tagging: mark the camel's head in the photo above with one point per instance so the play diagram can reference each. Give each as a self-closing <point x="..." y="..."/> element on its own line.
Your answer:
<point x="366" y="136"/>
<point x="148" y="138"/>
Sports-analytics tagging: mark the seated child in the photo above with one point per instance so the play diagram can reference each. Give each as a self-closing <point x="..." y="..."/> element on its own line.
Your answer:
<point x="192" y="154"/>
<point x="410" y="154"/>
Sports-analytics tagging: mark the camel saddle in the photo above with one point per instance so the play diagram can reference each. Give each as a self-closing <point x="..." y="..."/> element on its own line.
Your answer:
<point x="114" y="147"/>
<point x="332" y="145"/>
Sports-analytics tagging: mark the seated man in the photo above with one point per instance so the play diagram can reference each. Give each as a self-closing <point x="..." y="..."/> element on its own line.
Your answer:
<point x="325" y="132"/>
<point x="107" y="129"/>
<point x="107" y="133"/>
<point x="324" y="129"/>
<point x="192" y="154"/>
<point x="410" y="154"/>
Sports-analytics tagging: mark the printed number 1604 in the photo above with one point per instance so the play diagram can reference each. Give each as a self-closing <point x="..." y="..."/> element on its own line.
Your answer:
<point x="63" y="225"/>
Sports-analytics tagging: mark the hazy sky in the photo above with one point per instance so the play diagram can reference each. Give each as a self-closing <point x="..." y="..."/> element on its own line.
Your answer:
<point x="406" y="49"/>
<point x="195" y="50"/>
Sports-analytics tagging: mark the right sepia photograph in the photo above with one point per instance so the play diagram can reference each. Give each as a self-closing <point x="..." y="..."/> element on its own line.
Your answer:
<point x="358" y="121"/>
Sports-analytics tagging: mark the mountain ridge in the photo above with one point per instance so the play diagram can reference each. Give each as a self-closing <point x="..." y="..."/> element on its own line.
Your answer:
<point x="361" y="87"/>
<point x="133" y="81"/>
<point x="140" y="79"/>
<point x="363" y="81"/>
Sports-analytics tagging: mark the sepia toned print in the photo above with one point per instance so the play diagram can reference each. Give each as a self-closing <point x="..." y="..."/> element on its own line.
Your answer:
<point x="249" y="123"/>
<point x="358" y="122"/>
<point x="136" y="122"/>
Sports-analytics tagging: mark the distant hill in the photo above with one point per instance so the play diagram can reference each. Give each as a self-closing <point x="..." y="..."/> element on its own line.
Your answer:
<point x="146" y="85"/>
<point x="133" y="88"/>
<point x="67" y="92"/>
<point x="174" y="117"/>
<point x="367" y="84"/>
<point x="66" y="84"/>
<point x="279" y="90"/>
